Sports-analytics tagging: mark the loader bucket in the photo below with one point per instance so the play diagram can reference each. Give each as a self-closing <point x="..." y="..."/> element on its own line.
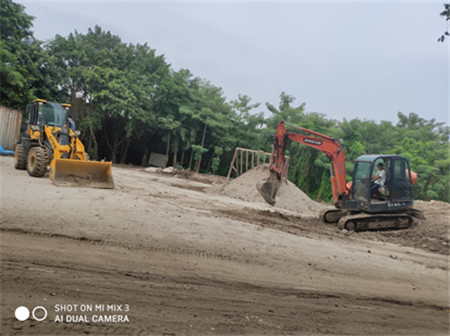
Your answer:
<point x="268" y="189"/>
<point x="78" y="173"/>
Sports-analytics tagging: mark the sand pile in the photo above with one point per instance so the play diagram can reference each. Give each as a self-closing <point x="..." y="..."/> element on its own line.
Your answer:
<point x="289" y="196"/>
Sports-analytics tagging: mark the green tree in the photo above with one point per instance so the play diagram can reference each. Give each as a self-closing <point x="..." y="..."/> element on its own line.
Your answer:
<point x="285" y="111"/>
<point x="20" y="53"/>
<point x="119" y="85"/>
<point x="248" y="125"/>
<point x="446" y="14"/>
<point x="212" y="115"/>
<point x="216" y="160"/>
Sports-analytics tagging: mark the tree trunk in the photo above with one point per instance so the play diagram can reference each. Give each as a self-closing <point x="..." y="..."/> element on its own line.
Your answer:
<point x="124" y="154"/>
<point x="182" y="159"/>
<point x="174" y="163"/>
<point x="114" y="150"/>
<point x="197" y="166"/>
<point x="168" y="145"/>
<point x="144" y="161"/>
<point x="190" y="159"/>
<point x="197" y="169"/>
<point x="209" y="164"/>
<point x="95" y="151"/>
<point x="115" y="144"/>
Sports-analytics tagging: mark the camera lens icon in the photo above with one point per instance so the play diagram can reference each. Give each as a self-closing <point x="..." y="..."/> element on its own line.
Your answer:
<point x="22" y="313"/>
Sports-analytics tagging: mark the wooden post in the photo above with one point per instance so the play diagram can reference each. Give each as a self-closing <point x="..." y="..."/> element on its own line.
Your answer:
<point x="237" y="162"/>
<point x="232" y="164"/>
<point x="241" y="161"/>
<point x="246" y="161"/>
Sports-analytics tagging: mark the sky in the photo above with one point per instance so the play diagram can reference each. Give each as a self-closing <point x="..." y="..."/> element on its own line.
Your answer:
<point x="344" y="59"/>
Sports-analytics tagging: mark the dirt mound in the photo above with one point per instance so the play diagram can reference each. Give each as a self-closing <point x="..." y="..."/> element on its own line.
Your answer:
<point x="289" y="196"/>
<point x="429" y="234"/>
<point x="187" y="174"/>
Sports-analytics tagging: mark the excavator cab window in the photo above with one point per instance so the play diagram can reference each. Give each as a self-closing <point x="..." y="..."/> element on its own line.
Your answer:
<point x="361" y="180"/>
<point x="401" y="181"/>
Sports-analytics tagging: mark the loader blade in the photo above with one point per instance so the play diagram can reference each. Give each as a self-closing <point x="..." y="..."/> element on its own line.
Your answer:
<point x="268" y="189"/>
<point x="77" y="173"/>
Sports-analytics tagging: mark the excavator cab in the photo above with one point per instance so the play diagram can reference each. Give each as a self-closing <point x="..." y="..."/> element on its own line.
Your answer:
<point x="395" y="194"/>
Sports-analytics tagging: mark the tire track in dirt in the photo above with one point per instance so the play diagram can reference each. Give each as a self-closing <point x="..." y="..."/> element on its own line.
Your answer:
<point x="198" y="279"/>
<point x="169" y="298"/>
<point x="30" y="327"/>
<point x="102" y="242"/>
<point x="216" y="283"/>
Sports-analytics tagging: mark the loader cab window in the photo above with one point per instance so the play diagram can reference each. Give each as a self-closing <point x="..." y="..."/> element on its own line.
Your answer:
<point x="52" y="114"/>
<point x="361" y="180"/>
<point x="32" y="111"/>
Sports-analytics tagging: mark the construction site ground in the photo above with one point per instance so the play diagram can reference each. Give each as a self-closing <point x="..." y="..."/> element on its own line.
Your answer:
<point x="185" y="261"/>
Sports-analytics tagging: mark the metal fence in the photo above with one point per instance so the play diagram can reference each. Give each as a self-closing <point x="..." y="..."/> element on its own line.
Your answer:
<point x="10" y="122"/>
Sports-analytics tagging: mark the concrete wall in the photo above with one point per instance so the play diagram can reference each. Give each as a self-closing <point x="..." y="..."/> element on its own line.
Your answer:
<point x="10" y="121"/>
<point x="158" y="160"/>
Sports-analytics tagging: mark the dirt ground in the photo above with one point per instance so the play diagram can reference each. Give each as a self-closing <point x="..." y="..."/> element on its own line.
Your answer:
<point x="179" y="260"/>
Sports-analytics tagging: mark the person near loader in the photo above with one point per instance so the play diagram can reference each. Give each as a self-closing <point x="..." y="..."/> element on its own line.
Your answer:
<point x="71" y="123"/>
<point x="379" y="179"/>
<point x="65" y="138"/>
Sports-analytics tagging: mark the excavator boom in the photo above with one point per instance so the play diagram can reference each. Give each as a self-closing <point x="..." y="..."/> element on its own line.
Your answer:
<point x="268" y="188"/>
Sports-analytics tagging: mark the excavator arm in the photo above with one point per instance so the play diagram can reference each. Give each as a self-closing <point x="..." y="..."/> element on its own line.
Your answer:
<point x="324" y="143"/>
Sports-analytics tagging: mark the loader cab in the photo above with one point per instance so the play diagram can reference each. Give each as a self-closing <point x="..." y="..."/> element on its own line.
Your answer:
<point x="395" y="195"/>
<point x="41" y="112"/>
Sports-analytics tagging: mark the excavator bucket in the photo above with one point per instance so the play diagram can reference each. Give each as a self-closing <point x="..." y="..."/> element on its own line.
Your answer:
<point x="78" y="173"/>
<point x="268" y="189"/>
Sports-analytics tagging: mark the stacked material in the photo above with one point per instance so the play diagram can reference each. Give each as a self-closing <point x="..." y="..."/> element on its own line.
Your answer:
<point x="289" y="196"/>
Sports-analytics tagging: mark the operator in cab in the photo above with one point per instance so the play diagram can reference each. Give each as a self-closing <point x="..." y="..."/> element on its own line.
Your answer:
<point x="71" y="123"/>
<point x="379" y="179"/>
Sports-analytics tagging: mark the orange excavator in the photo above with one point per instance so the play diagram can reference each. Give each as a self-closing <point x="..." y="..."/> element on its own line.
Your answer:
<point x="358" y="208"/>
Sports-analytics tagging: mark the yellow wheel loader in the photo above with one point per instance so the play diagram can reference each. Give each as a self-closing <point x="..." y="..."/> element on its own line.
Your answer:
<point x="50" y="142"/>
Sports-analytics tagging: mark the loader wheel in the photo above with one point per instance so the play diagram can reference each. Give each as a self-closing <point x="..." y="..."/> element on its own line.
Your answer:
<point x="19" y="157"/>
<point x="37" y="161"/>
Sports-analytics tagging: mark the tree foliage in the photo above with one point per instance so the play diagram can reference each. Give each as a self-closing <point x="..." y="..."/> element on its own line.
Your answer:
<point x="129" y="102"/>
<point x="446" y="14"/>
<point x="20" y="54"/>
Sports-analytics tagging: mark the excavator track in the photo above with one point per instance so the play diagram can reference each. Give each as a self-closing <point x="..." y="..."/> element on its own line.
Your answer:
<point x="366" y="222"/>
